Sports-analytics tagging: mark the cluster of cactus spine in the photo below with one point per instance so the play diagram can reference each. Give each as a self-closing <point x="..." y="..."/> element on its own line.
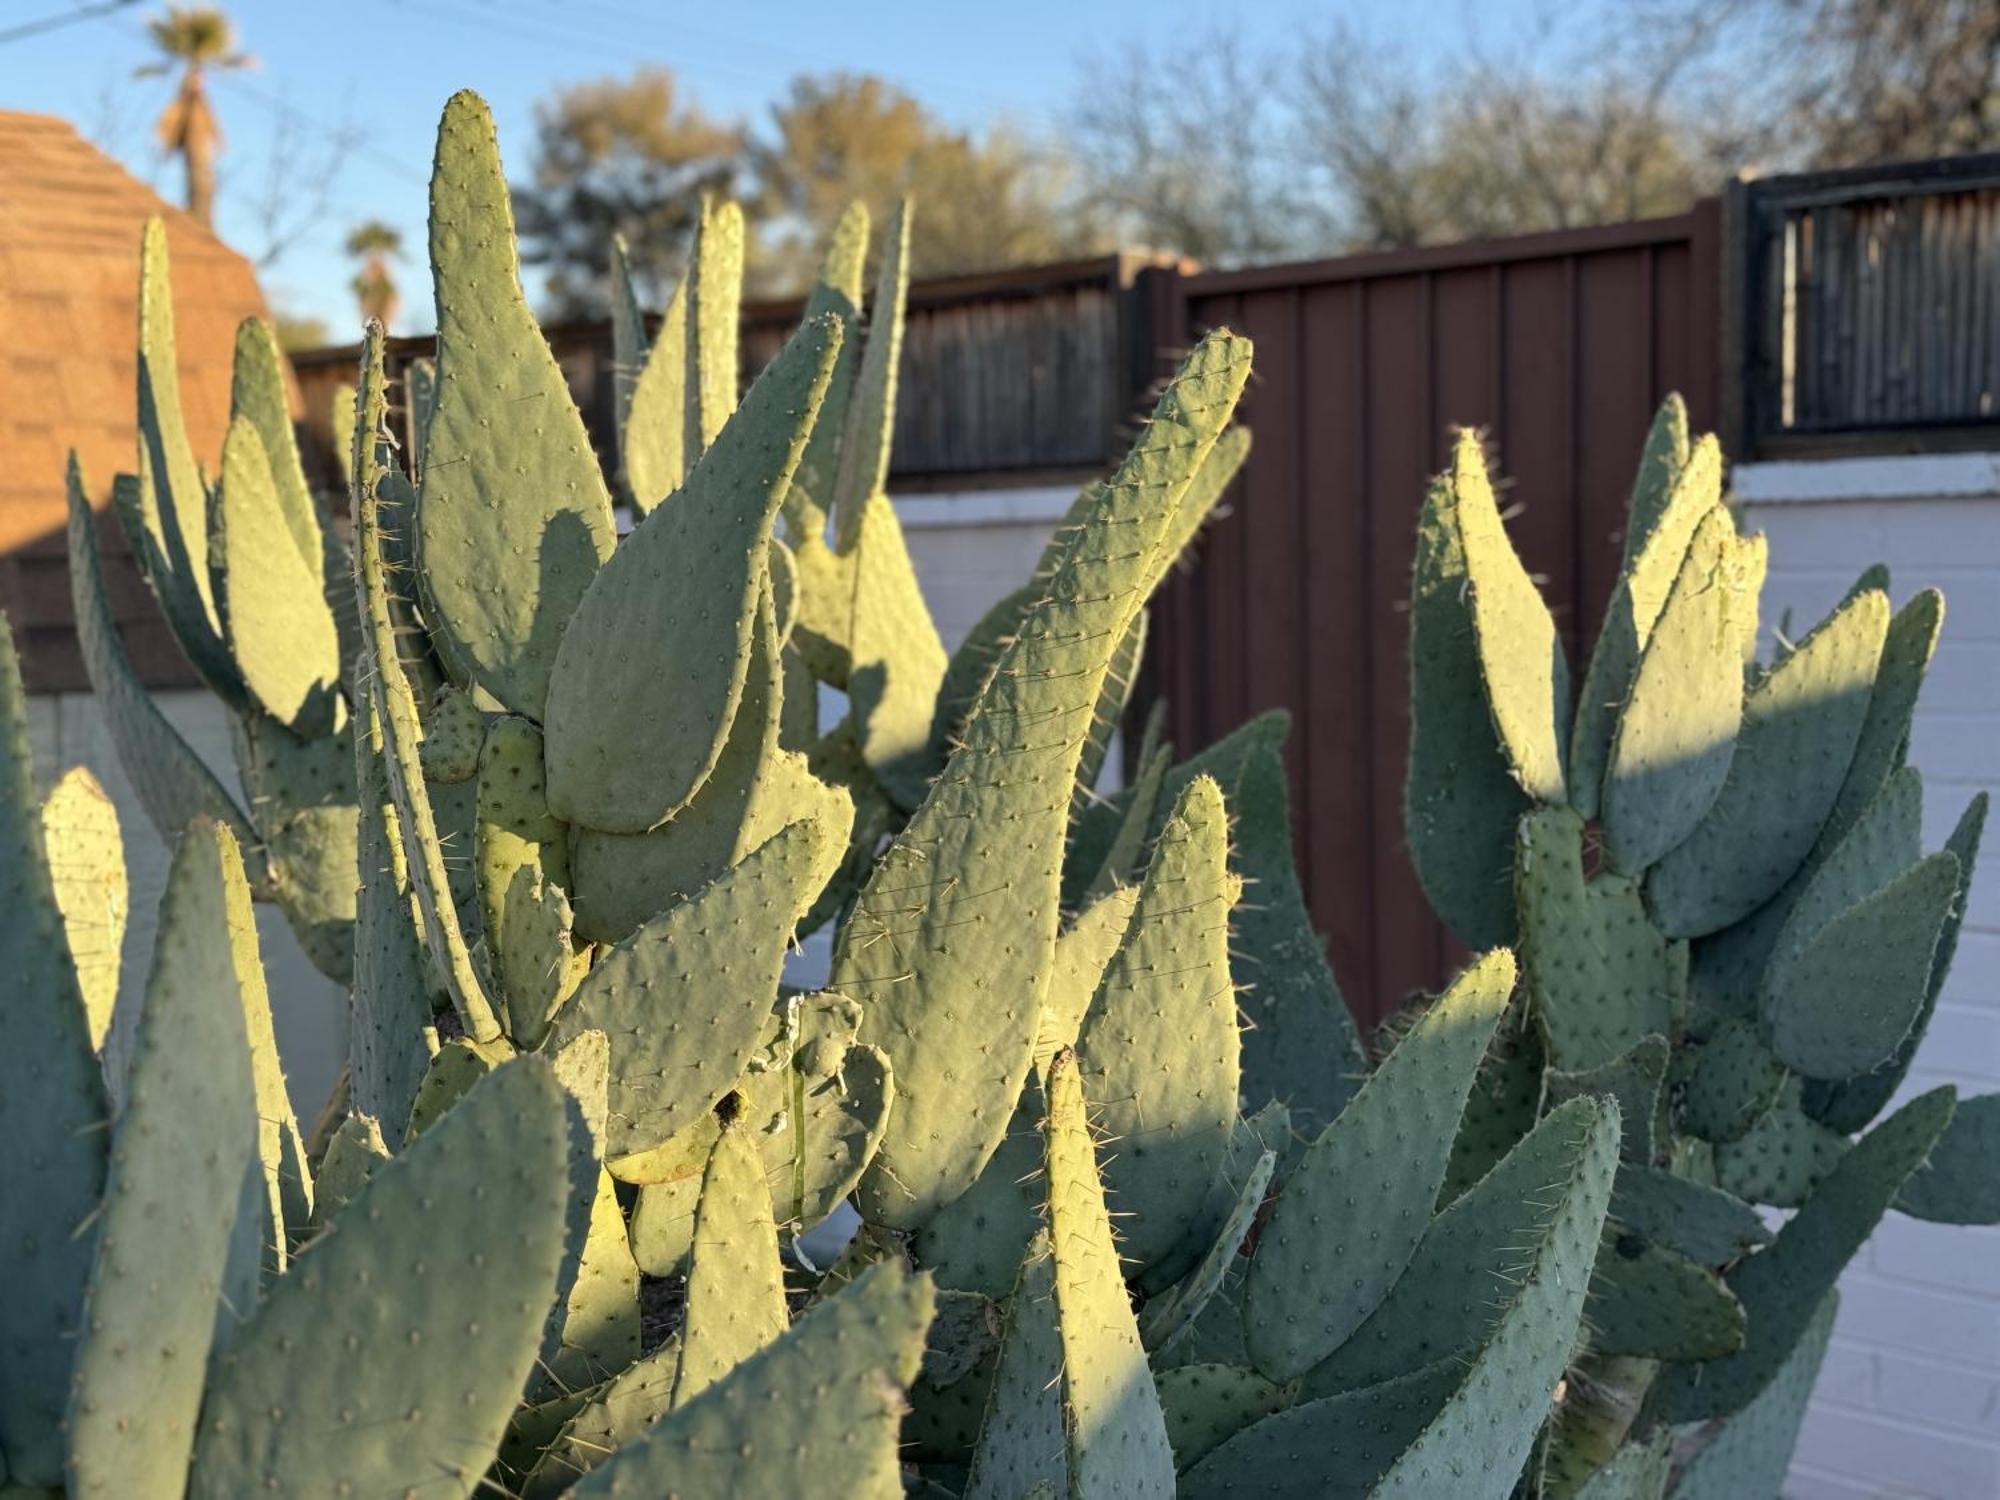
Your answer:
<point x="1139" y="1217"/>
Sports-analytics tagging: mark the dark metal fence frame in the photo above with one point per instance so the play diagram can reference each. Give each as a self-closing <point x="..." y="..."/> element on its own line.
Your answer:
<point x="1767" y="308"/>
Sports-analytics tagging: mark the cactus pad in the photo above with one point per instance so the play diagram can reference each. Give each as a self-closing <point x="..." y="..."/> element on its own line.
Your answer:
<point x="454" y="731"/>
<point x="684" y="999"/>
<point x="652" y="400"/>
<point x="275" y="618"/>
<point x="433" y="1360"/>
<point x="715" y="293"/>
<point x="1751" y="1452"/>
<point x="1460" y="801"/>
<point x="1636" y="1080"/>
<point x="184" y="1142"/>
<point x="1957" y="1183"/>
<point x="1708" y="1226"/>
<point x="352" y="1156"/>
<point x="86" y="863"/>
<point x="390" y="1003"/>
<point x="1368" y="1428"/>
<point x="1885" y="733"/>
<point x="1599" y="976"/>
<point x="652" y="665"/>
<point x="515" y="517"/>
<point x="755" y="789"/>
<point x="1851" y="1103"/>
<point x="871" y="407"/>
<point x="173" y="784"/>
<point x="1782" y="1288"/>
<point x="402" y="734"/>
<point x="1023" y="1441"/>
<point x="257" y="395"/>
<point x="1360" y="1197"/>
<point x="1206" y="1405"/>
<point x="1170" y="1317"/>
<point x="1676" y="727"/>
<point x="1676" y="489"/>
<point x="1782" y="1157"/>
<point x="1648" y="1302"/>
<point x="1521" y="661"/>
<point x="949" y="944"/>
<point x="1299" y="1042"/>
<point x="53" y="1107"/>
<point x="1482" y="1435"/>
<point x="897" y="662"/>
<point x="173" y="495"/>
<point x="1158" y="1047"/>
<point x="1467" y="1266"/>
<point x="1855" y="988"/>
<point x="735" y="1288"/>
<point x="1117" y="1435"/>
<point x="838" y="1376"/>
<point x="1801" y="722"/>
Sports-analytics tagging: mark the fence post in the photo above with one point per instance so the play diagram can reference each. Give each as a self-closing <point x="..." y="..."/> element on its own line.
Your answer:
<point x="1734" y="348"/>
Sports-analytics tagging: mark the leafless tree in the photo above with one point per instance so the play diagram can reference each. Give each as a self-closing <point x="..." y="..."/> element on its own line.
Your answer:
<point x="1341" y="142"/>
<point x="1185" y="150"/>
<point x="293" y="195"/>
<point x="1879" y="80"/>
<point x="1496" y="145"/>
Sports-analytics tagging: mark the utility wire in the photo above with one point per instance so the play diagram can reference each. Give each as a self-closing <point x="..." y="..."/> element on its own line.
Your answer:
<point x="1043" y="136"/>
<point x="357" y="141"/>
<point x="66" y="18"/>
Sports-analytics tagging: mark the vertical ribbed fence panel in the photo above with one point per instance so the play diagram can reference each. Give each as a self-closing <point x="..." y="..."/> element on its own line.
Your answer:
<point x="1557" y="347"/>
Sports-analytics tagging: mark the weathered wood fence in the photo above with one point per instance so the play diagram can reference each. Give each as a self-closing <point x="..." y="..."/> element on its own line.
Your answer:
<point x="1869" y="306"/>
<point x="1007" y="375"/>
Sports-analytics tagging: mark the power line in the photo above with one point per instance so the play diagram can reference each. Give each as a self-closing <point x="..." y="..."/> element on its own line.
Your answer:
<point x="358" y="143"/>
<point x="66" y="18"/>
<point x="527" y="28"/>
<point x="1043" y="137"/>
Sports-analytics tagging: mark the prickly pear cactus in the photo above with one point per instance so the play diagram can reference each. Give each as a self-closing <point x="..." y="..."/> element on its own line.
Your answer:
<point x="1727" y="923"/>
<point x="1138" y="1215"/>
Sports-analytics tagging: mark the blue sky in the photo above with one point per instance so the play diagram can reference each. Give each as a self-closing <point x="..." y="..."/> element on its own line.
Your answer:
<point x="385" y="67"/>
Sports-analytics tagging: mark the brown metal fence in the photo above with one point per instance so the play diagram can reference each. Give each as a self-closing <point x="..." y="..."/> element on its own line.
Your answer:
<point x="1558" y="347"/>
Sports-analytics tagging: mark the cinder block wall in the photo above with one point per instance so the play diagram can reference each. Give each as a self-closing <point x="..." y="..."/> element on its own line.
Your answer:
<point x="308" y="1011"/>
<point x="1909" y="1401"/>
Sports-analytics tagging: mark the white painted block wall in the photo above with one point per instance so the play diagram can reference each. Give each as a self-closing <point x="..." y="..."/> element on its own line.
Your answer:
<point x="1908" y="1404"/>
<point x="308" y="1010"/>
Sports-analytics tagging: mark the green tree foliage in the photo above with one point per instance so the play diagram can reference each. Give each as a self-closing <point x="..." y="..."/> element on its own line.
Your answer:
<point x="987" y="200"/>
<point x="630" y="157"/>
<point x="634" y="157"/>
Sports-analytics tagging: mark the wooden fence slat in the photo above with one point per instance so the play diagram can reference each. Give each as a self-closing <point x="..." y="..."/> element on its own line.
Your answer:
<point x="1876" y="306"/>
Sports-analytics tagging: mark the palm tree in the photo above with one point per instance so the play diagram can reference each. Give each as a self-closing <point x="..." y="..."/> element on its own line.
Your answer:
<point x="373" y="244"/>
<point x="193" y="39"/>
